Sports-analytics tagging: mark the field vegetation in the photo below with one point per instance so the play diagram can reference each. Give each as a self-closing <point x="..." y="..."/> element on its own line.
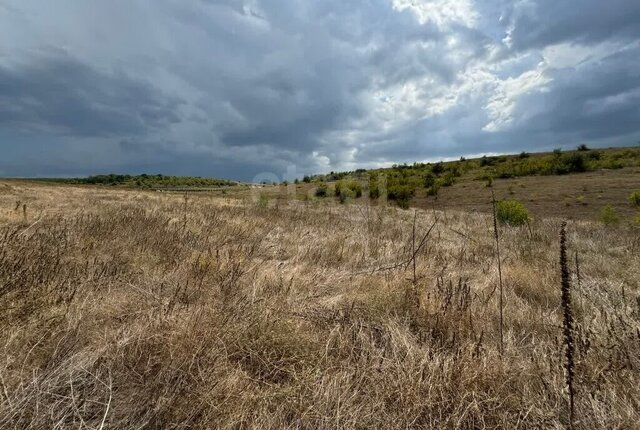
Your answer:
<point x="408" y="185"/>
<point x="138" y="309"/>
<point x="145" y="181"/>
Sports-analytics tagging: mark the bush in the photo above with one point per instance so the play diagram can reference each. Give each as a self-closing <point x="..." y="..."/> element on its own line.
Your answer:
<point x="437" y="168"/>
<point x="447" y="180"/>
<point x="352" y="186"/>
<point x="433" y="189"/>
<point x="594" y="155"/>
<point x="609" y="215"/>
<point x="429" y="180"/>
<point x="345" y="194"/>
<point x="374" y="191"/>
<point x="582" y="147"/>
<point x="511" y="212"/>
<point x="570" y="163"/>
<point x="321" y="191"/>
<point x="402" y="194"/>
<point x="634" y="199"/>
<point x="404" y="203"/>
<point x="487" y="161"/>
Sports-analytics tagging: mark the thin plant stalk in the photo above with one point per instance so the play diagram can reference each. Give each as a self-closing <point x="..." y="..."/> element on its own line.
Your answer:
<point x="567" y="323"/>
<point x="413" y="246"/>
<point x="501" y="292"/>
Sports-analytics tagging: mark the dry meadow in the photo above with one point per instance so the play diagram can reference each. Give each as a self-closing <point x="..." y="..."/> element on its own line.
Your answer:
<point x="130" y="309"/>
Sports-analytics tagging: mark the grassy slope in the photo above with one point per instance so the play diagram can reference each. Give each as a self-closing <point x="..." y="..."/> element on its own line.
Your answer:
<point x="607" y="181"/>
<point x="145" y="310"/>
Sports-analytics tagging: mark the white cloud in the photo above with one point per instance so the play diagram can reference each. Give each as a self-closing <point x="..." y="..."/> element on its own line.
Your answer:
<point x="502" y="103"/>
<point x="440" y="12"/>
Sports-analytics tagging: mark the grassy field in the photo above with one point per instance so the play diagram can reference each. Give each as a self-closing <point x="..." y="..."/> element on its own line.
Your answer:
<point x="574" y="184"/>
<point x="138" y="309"/>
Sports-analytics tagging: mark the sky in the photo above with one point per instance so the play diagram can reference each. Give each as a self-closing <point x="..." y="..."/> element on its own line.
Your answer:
<point x="241" y="89"/>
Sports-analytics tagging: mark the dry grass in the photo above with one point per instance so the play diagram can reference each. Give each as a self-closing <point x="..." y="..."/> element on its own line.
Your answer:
<point x="578" y="196"/>
<point x="145" y="310"/>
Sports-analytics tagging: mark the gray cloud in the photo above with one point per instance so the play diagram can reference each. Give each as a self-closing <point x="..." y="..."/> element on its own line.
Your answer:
<point x="233" y="88"/>
<point x="598" y="100"/>
<point x="545" y="22"/>
<point x="57" y="94"/>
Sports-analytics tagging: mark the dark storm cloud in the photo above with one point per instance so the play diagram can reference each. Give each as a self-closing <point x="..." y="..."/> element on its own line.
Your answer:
<point x="237" y="87"/>
<point x="598" y="100"/>
<point x="61" y="95"/>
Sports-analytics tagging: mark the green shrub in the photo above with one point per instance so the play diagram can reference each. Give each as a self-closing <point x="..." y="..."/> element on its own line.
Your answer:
<point x="336" y="188"/>
<point x="611" y="164"/>
<point x="609" y="215"/>
<point x="402" y="194"/>
<point x="454" y="170"/>
<point x="357" y="189"/>
<point x="429" y="180"/>
<point x="374" y="192"/>
<point x="570" y="163"/>
<point x="634" y="199"/>
<point x="582" y="147"/>
<point x="353" y="186"/>
<point x="321" y="191"/>
<point x="403" y="203"/>
<point x="437" y="168"/>
<point x="447" y="180"/>
<point x="487" y="161"/>
<point x="511" y="212"/>
<point x="594" y="155"/>
<point x="345" y="194"/>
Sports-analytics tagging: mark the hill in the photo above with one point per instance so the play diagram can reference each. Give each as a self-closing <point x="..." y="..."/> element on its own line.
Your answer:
<point x="574" y="184"/>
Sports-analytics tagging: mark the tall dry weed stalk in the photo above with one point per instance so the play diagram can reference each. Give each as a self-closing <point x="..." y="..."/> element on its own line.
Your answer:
<point x="578" y="277"/>
<point x="413" y="246"/>
<point x="501" y="292"/>
<point x="567" y="323"/>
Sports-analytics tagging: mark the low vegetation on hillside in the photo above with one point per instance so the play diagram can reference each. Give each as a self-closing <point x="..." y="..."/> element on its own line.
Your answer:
<point x="401" y="183"/>
<point x="132" y="309"/>
<point x="146" y="181"/>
